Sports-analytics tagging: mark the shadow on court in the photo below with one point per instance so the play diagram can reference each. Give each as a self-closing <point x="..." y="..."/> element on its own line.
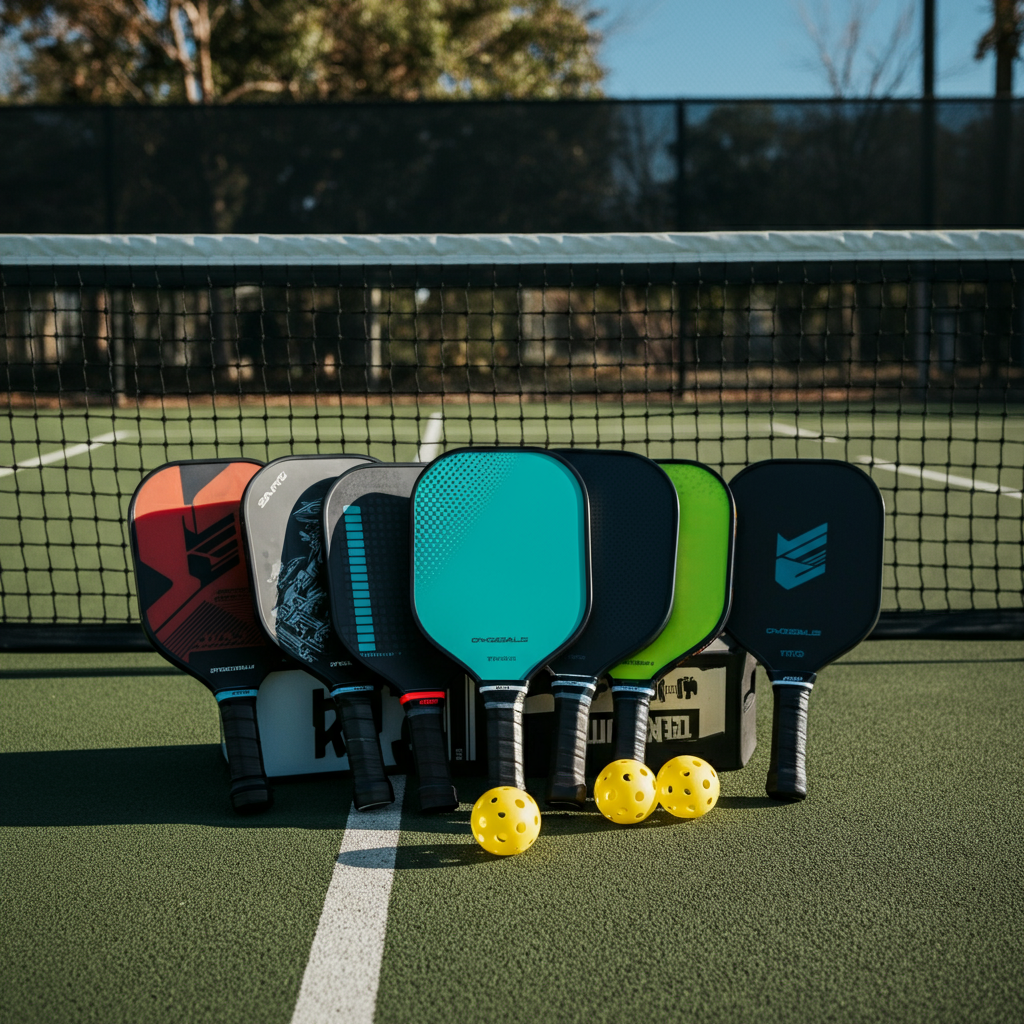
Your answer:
<point x="421" y="856"/>
<point x="455" y="848"/>
<point x="89" y="673"/>
<point x="153" y="785"/>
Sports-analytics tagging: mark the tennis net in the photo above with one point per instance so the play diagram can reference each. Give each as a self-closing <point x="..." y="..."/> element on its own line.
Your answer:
<point x="901" y="352"/>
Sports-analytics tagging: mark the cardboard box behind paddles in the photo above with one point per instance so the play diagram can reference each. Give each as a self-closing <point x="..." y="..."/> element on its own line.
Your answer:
<point x="707" y="707"/>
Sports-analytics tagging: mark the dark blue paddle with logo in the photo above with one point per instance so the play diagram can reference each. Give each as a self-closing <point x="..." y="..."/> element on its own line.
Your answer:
<point x="501" y="576"/>
<point x="283" y="525"/>
<point x="807" y="586"/>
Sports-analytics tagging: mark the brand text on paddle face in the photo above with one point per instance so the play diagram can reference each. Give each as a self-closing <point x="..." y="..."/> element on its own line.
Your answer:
<point x="267" y="495"/>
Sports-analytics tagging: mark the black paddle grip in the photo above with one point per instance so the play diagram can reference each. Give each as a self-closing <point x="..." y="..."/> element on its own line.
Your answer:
<point x="787" y="776"/>
<point x="430" y="750"/>
<point x="504" y="707"/>
<point x="567" y="785"/>
<point x="372" y="788"/>
<point x="631" y="706"/>
<point x="250" y="792"/>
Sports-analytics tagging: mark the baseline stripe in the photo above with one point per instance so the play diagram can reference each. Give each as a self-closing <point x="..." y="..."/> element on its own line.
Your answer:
<point x="343" y="972"/>
<point x="433" y="434"/>
<point x="63" y="454"/>
<point x="949" y="479"/>
<point x="785" y="428"/>
<point x="942" y="478"/>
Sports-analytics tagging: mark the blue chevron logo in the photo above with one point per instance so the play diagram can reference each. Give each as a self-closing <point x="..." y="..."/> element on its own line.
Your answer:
<point x="800" y="559"/>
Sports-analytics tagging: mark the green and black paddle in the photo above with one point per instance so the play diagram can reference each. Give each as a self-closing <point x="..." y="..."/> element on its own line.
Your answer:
<point x="703" y="589"/>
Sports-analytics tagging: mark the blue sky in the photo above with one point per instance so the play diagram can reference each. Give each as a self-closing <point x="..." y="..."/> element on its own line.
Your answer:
<point x="728" y="48"/>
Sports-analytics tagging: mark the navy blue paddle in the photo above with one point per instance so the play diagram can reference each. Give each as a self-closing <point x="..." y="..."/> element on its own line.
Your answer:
<point x="807" y="586"/>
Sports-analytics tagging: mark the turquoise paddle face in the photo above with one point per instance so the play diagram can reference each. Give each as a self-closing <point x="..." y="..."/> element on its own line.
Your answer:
<point x="501" y="558"/>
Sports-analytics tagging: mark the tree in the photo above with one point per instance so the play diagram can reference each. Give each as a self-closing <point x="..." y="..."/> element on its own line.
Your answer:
<point x="1003" y="37"/>
<point x="850" y="64"/>
<point x="220" y="51"/>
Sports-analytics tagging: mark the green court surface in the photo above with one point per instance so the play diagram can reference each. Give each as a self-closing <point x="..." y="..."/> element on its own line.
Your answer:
<point x="952" y="481"/>
<point x="895" y="893"/>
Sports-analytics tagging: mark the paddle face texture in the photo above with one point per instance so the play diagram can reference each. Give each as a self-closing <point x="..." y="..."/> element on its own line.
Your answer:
<point x="191" y="572"/>
<point x="501" y="553"/>
<point x="703" y="574"/>
<point x="634" y="527"/>
<point x="366" y="518"/>
<point x="282" y="513"/>
<point x="808" y="562"/>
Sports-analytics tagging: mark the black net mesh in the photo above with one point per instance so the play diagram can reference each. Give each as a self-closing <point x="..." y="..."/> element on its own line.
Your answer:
<point x="912" y="370"/>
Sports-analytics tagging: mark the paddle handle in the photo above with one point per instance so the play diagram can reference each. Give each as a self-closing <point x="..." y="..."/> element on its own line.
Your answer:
<point x="425" y="714"/>
<point x="371" y="786"/>
<point x="567" y="784"/>
<point x="787" y="773"/>
<point x="631" y="704"/>
<point x="250" y="792"/>
<point x="503" y="705"/>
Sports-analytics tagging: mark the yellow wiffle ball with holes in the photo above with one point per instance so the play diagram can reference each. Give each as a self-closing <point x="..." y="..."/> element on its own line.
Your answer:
<point x="505" y="820"/>
<point x="625" y="792"/>
<point x="687" y="786"/>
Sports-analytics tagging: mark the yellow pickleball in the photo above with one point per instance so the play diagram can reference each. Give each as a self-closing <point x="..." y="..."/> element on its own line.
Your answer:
<point x="687" y="786"/>
<point x="505" y="820"/>
<point x="625" y="791"/>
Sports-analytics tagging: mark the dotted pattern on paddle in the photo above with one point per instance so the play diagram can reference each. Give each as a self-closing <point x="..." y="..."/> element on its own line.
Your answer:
<point x="451" y="495"/>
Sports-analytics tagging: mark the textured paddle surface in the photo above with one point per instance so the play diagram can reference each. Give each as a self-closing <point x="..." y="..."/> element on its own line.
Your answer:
<point x="500" y="558"/>
<point x="634" y="526"/>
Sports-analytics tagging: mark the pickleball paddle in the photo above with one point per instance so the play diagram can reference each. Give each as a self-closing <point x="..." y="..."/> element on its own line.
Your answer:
<point x="283" y="525"/>
<point x="808" y="586"/>
<point x="501" y="576"/>
<point x="366" y="527"/>
<point x="193" y="585"/>
<point x="634" y="528"/>
<point x="702" y="592"/>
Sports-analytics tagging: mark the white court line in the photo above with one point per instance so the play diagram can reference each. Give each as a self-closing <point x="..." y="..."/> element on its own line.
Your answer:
<point x="343" y="972"/>
<point x="915" y="471"/>
<point x="63" y="454"/>
<point x="942" y="478"/>
<point x="785" y="428"/>
<point x="430" y="443"/>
